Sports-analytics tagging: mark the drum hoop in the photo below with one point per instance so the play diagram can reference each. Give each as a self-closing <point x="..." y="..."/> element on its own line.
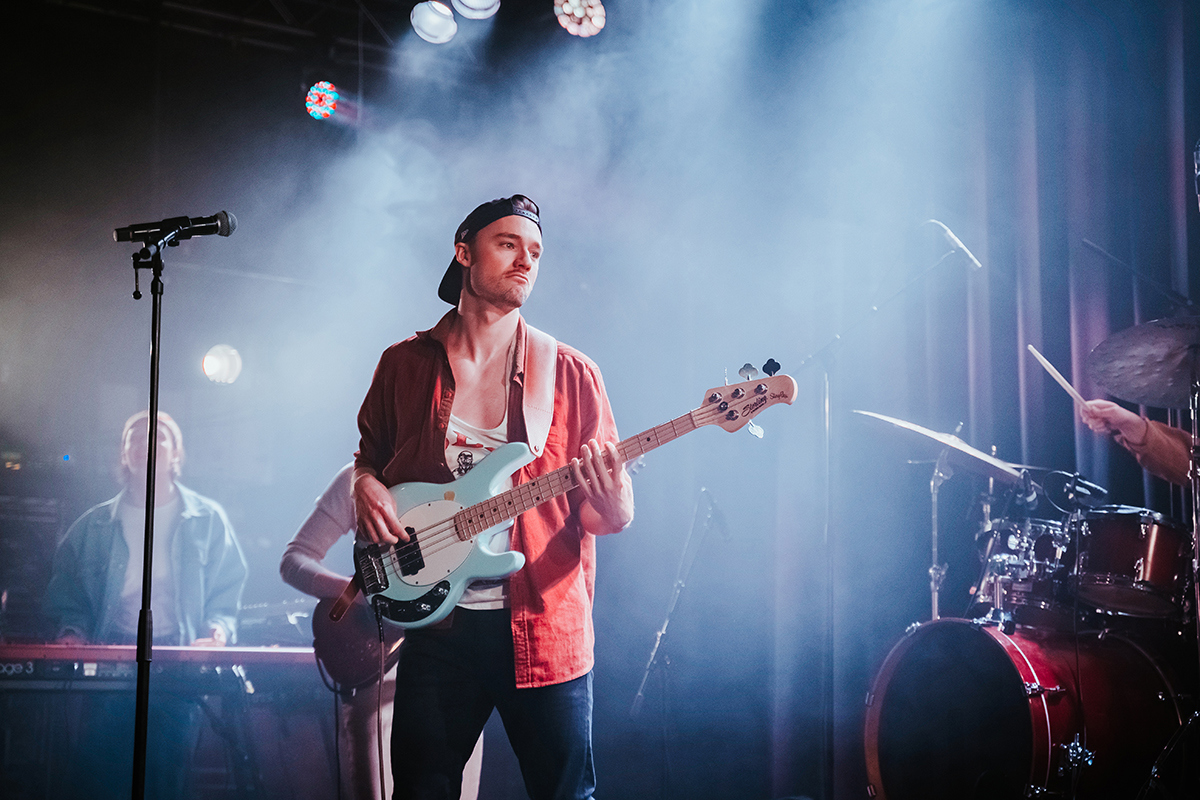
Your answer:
<point x="1143" y="514"/>
<point x="1042" y="738"/>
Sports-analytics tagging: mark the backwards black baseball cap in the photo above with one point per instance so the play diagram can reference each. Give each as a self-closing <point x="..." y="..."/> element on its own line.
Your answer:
<point x="516" y="206"/>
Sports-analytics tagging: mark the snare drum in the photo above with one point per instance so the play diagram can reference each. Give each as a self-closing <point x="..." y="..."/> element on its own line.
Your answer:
<point x="961" y="710"/>
<point x="1132" y="561"/>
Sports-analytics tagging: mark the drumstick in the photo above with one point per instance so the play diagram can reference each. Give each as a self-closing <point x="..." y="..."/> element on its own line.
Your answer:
<point x="1057" y="376"/>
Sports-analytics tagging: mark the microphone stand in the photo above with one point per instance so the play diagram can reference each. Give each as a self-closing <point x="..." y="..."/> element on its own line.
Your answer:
<point x="151" y="253"/>
<point x="686" y="560"/>
<point x="1173" y="297"/>
<point x="827" y="355"/>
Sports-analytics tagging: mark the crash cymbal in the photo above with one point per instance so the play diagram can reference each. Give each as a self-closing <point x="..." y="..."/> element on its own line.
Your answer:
<point x="960" y="453"/>
<point x="1149" y="364"/>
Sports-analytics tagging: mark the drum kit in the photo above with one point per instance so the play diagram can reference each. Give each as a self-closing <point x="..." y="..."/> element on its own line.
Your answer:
<point x="1074" y="672"/>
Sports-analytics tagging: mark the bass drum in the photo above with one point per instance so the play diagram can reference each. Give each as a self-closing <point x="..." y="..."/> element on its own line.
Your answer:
<point x="966" y="712"/>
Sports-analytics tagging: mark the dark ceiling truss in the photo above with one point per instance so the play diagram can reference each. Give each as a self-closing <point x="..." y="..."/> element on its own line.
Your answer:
<point x="341" y="31"/>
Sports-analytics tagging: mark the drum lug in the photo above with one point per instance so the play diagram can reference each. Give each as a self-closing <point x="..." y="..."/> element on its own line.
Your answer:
<point x="1001" y="619"/>
<point x="1037" y="690"/>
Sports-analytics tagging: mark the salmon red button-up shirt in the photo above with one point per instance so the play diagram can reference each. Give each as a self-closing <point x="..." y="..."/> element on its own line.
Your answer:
<point x="402" y="424"/>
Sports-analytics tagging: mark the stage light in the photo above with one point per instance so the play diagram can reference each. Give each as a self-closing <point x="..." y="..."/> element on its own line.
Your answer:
<point x="580" y="17"/>
<point x="321" y="101"/>
<point x="433" y="22"/>
<point x="222" y="364"/>
<point x="476" y="9"/>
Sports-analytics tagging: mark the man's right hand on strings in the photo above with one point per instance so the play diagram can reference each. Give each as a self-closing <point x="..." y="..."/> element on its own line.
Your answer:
<point x="375" y="509"/>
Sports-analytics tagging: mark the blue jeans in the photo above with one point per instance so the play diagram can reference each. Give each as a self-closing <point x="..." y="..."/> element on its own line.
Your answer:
<point x="449" y="680"/>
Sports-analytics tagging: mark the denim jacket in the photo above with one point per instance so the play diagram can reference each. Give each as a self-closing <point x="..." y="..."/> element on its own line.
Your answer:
<point x="90" y="564"/>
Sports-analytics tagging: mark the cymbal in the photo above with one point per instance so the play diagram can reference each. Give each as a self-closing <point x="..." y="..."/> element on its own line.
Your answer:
<point x="1149" y="364"/>
<point x="960" y="453"/>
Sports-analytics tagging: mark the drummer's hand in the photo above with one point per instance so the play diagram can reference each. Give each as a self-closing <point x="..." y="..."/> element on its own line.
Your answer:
<point x="375" y="509"/>
<point x="1104" y="416"/>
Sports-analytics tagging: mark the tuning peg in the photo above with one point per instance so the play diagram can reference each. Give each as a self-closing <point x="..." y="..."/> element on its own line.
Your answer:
<point x="748" y="372"/>
<point x="754" y="430"/>
<point x="771" y="367"/>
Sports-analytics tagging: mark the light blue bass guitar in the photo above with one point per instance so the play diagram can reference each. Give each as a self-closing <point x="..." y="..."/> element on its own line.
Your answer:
<point x="417" y="583"/>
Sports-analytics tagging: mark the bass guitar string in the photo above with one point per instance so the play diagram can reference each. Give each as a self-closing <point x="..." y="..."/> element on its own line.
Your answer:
<point x="443" y="534"/>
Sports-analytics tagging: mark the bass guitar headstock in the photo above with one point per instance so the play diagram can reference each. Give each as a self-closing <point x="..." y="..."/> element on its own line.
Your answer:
<point x="733" y="406"/>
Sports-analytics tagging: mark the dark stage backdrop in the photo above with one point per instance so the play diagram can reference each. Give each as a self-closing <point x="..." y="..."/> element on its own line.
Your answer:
<point x="1079" y="129"/>
<point x="718" y="188"/>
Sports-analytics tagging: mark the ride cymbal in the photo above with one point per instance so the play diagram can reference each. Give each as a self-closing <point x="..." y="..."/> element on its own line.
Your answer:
<point x="1149" y="364"/>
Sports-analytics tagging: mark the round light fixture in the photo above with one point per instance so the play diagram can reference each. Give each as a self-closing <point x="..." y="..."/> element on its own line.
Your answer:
<point x="476" y="9"/>
<point x="433" y="22"/>
<point x="222" y="364"/>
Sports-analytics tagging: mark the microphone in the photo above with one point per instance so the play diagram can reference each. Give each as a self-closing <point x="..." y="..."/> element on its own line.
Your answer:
<point x="1084" y="486"/>
<point x="956" y="243"/>
<point x="222" y="224"/>
<point x="1028" y="496"/>
<point x="1084" y="492"/>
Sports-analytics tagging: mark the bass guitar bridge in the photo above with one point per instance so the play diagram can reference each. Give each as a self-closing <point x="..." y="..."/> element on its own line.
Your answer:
<point x="368" y="561"/>
<point x="407" y="611"/>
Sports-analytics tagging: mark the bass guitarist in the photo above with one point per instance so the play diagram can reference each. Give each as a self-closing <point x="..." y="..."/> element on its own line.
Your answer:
<point x="521" y="645"/>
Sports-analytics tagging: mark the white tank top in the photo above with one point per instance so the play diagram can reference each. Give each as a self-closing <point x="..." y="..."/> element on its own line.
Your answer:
<point x="466" y="446"/>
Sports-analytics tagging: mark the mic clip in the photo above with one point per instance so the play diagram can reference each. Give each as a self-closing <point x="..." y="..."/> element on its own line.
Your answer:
<point x="1028" y="497"/>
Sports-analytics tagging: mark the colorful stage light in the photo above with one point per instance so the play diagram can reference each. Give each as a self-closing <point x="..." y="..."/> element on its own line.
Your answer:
<point x="321" y="101"/>
<point x="580" y="17"/>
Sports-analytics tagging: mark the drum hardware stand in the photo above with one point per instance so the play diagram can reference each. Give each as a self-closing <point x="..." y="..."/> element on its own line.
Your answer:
<point x="1003" y="620"/>
<point x="942" y="472"/>
<point x="1076" y="757"/>
<point x="1154" y="781"/>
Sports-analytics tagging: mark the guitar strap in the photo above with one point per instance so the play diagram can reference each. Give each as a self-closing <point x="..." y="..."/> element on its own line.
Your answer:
<point x="345" y="599"/>
<point x="541" y="362"/>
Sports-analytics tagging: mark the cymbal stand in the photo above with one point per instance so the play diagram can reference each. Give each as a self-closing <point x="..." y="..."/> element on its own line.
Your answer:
<point x="942" y="472"/>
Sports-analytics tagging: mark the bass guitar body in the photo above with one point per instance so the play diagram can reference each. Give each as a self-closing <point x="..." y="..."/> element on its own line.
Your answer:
<point x="419" y="582"/>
